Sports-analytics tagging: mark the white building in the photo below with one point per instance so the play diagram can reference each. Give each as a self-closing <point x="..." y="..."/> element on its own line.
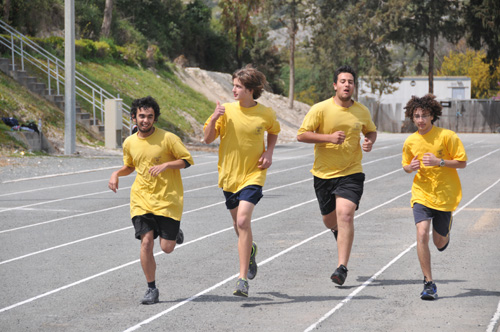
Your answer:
<point x="445" y="88"/>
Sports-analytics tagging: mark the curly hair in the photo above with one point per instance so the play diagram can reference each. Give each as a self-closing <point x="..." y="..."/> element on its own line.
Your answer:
<point x="146" y="102"/>
<point x="252" y="79"/>
<point x="426" y="103"/>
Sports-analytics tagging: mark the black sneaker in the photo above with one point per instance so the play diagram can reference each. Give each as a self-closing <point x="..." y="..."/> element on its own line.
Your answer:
<point x="339" y="275"/>
<point x="252" y="268"/>
<point x="180" y="237"/>
<point x="335" y="233"/>
<point x="241" y="288"/>
<point x="151" y="296"/>
<point x="429" y="292"/>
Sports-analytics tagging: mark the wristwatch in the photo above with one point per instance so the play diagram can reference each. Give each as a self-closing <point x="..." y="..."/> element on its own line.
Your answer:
<point x="441" y="163"/>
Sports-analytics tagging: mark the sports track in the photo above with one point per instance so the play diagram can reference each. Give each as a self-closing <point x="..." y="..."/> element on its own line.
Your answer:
<point x="69" y="261"/>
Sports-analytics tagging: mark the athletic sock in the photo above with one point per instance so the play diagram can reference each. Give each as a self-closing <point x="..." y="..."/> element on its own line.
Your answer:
<point x="152" y="284"/>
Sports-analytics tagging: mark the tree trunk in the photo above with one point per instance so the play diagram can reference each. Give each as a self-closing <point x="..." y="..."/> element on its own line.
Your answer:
<point x="293" y="33"/>
<point x="238" y="46"/>
<point x="6" y="10"/>
<point x="431" y="63"/>
<point x="106" y="22"/>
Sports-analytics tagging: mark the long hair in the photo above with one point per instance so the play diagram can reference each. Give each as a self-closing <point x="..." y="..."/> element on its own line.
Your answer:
<point x="252" y="79"/>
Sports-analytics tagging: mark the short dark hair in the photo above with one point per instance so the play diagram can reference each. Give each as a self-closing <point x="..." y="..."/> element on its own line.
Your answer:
<point x="146" y="102"/>
<point x="426" y="103"/>
<point x="252" y="79"/>
<point x="343" y="69"/>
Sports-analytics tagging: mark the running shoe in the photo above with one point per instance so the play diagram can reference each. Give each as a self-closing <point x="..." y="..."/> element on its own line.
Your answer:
<point x="252" y="268"/>
<point x="241" y="288"/>
<point x="339" y="275"/>
<point x="152" y="296"/>
<point x="180" y="237"/>
<point x="429" y="292"/>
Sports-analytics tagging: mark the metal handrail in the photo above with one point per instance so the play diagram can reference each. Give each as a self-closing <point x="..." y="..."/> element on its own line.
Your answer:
<point x="54" y="68"/>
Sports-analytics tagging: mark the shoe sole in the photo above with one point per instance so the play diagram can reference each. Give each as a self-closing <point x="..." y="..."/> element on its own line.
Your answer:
<point x="337" y="280"/>
<point x="239" y="293"/>
<point x="428" y="297"/>
<point x="147" y="303"/>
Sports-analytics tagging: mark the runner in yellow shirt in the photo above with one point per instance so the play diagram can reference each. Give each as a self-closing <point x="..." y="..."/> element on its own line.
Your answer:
<point x="243" y="160"/>
<point x="335" y="126"/>
<point x="435" y="154"/>
<point x="156" y="197"/>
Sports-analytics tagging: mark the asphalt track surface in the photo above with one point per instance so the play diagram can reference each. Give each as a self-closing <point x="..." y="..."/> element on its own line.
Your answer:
<point x="69" y="260"/>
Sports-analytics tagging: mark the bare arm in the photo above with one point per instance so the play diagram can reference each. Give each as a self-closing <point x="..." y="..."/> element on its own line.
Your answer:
<point x="113" y="181"/>
<point x="337" y="137"/>
<point x="430" y="159"/>
<point x="266" y="159"/>
<point x="176" y="164"/>
<point x="209" y="132"/>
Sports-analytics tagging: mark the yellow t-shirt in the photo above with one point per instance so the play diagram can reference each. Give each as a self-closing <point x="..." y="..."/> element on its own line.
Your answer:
<point x="436" y="187"/>
<point x="161" y="195"/>
<point x="241" y="132"/>
<point x="336" y="160"/>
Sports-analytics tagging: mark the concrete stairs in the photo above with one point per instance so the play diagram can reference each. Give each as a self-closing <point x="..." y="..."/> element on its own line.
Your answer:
<point x="32" y="83"/>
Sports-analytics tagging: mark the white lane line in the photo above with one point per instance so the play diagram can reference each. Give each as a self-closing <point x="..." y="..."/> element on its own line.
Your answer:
<point x="130" y="263"/>
<point x="114" y="167"/>
<point x="111" y="232"/>
<point x="270" y="259"/>
<point x="87" y="182"/>
<point x="190" y="242"/>
<point x="369" y="281"/>
<point x="63" y="174"/>
<point x="494" y="320"/>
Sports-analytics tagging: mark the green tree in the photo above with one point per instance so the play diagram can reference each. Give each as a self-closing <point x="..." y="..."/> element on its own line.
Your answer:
<point x="423" y="21"/>
<point x="201" y="44"/>
<point x="355" y="33"/>
<point x="236" y="19"/>
<point x="290" y="13"/>
<point x="266" y="58"/>
<point x="472" y="64"/>
<point x="483" y="22"/>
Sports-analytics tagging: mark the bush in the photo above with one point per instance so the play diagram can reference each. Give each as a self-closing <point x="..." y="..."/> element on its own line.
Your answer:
<point x="85" y="49"/>
<point x="133" y="54"/>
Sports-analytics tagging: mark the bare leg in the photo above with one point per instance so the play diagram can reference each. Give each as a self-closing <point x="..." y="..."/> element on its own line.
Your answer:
<point x="148" y="262"/>
<point x="439" y="240"/>
<point x="423" y="252"/>
<point x="242" y="217"/>
<point x="167" y="245"/>
<point x="345" y="220"/>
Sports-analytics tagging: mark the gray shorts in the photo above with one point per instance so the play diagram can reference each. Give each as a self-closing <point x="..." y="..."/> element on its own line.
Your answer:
<point x="441" y="220"/>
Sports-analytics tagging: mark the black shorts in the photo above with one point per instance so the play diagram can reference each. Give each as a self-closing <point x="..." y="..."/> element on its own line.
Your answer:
<point x="349" y="187"/>
<point x="167" y="228"/>
<point x="251" y="193"/>
<point x="441" y="220"/>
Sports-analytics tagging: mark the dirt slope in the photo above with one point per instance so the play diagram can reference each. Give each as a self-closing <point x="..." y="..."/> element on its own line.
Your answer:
<point x="218" y="87"/>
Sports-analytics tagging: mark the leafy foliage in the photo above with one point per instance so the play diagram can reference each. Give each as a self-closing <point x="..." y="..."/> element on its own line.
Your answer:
<point x="472" y="64"/>
<point x="357" y="35"/>
<point x="483" y="19"/>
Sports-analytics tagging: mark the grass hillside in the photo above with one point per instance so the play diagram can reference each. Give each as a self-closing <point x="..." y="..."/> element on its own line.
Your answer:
<point x="175" y="98"/>
<point x="179" y="104"/>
